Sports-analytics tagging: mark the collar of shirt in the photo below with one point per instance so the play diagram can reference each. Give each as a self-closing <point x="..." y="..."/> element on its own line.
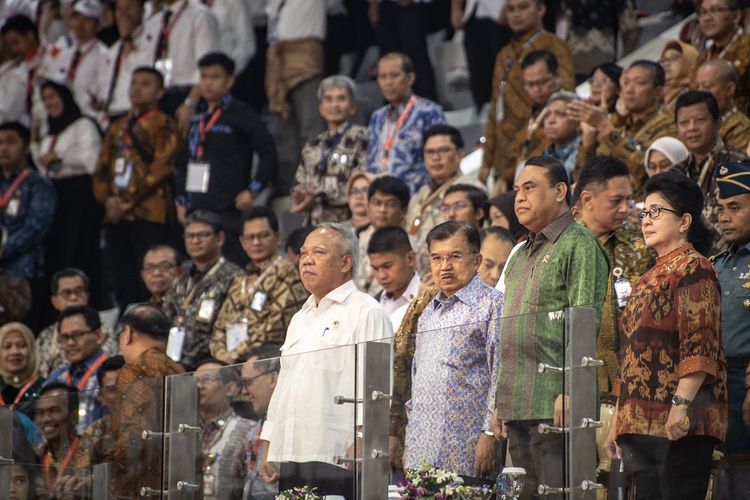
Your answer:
<point x="220" y="421"/>
<point x="634" y="124"/>
<point x="567" y="149"/>
<point x="13" y="176"/>
<point x="412" y="289"/>
<point x="554" y="229"/>
<point x="195" y="273"/>
<point x="203" y="106"/>
<point x="85" y="46"/>
<point x="333" y="133"/>
<point x="175" y="7"/>
<point x="734" y="250"/>
<point x="520" y="40"/>
<point x="394" y="113"/>
<point x="469" y="294"/>
<point x="253" y="268"/>
<point x="338" y="294"/>
<point x="78" y="370"/>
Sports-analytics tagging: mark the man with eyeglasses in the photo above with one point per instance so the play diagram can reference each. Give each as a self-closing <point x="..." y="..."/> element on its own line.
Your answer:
<point x="259" y="376"/>
<point x="387" y="199"/>
<point x="443" y="149"/>
<point x="194" y="300"/>
<point x="261" y="302"/>
<point x="224" y="434"/>
<point x="560" y="265"/>
<point x="80" y="337"/>
<point x="461" y="323"/>
<point x="69" y="287"/>
<point x="719" y="21"/>
<point x="464" y="203"/>
<point x="698" y="127"/>
<point x="160" y="268"/>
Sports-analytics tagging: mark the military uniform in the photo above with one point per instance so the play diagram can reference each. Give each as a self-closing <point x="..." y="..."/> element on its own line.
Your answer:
<point x="258" y="308"/>
<point x="703" y="174"/>
<point x="510" y="106"/>
<point x="631" y="138"/>
<point x="735" y="129"/>
<point x="733" y="268"/>
<point x="192" y="304"/>
<point x="737" y="52"/>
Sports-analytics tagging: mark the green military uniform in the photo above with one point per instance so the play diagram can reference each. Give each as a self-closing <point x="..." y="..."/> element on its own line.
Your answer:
<point x="258" y="308"/>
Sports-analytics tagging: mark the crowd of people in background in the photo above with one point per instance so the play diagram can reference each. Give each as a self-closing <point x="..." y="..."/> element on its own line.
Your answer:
<point x="208" y="171"/>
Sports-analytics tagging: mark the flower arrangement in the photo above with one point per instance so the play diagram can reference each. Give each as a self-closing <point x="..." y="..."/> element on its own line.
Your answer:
<point x="430" y="482"/>
<point x="304" y="493"/>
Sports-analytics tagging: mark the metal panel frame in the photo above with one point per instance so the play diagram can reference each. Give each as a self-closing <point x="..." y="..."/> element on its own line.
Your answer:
<point x="375" y="464"/>
<point x="181" y="447"/>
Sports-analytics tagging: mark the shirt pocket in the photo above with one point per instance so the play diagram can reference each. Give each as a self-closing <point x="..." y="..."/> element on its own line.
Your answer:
<point x="332" y="353"/>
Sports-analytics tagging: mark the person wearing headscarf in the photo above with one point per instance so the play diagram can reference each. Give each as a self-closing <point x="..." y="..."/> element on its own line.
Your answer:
<point x="499" y="211"/>
<point x="663" y="154"/>
<point x="67" y="155"/>
<point x="679" y="61"/>
<point x="19" y="365"/>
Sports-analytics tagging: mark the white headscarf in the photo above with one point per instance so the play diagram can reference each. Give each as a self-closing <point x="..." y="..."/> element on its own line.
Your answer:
<point x="670" y="147"/>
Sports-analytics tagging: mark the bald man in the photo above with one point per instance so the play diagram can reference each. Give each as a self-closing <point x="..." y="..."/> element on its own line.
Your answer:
<point x="720" y="78"/>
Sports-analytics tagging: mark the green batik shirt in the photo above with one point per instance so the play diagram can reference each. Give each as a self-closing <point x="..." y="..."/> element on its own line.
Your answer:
<point x="562" y="266"/>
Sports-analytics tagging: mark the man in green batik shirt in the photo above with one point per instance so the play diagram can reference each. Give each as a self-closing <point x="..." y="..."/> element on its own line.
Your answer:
<point x="561" y="265"/>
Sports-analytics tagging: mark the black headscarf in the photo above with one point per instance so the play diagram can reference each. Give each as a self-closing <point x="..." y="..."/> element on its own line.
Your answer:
<point x="505" y="203"/>
<point x="71" y="111"/>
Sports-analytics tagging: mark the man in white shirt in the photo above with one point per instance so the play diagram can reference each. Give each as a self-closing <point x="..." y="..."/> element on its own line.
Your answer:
<point x="12" y="87"/>
<point x="181" y="33"/>
<point x="393" y="263"/>
<point x="305" y="430"/>
<point x="236" y="33"/>
<point x="77" y="66"/>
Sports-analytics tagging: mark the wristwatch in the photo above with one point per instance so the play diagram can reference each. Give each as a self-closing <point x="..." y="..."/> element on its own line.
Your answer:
<point x="679" y="400"/>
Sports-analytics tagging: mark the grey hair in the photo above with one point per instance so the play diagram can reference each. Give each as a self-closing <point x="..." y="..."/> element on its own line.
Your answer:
<point x="347" y="243"/>
<point x="338" y="81"/>
<point x="564" y="96"/>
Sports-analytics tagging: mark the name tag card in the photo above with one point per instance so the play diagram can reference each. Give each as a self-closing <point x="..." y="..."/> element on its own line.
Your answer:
<point x="198" y="176"/>
<point x="236" y="335"/>
<point x="175" y="342"/>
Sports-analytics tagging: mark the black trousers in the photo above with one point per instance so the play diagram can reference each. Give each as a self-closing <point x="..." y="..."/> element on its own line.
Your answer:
<point x="125" y="245"/>
<point x="329" y="479"/>
<point x="540" y="454"/>
<point x="483" y="39"/>
<point x="668" y="470"/>
<point x="404" y="29"/>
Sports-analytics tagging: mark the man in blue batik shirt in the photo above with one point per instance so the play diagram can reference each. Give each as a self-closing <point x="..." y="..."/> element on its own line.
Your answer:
<point x="395" y="130"/>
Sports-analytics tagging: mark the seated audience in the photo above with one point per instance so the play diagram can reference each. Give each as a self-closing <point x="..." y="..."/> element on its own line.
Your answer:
<point x="720" y="78"/>
<point x="663" y="154"/>
<point x="499" y="211"/>
<point x="294" y="242"/>
<point x="159" y="270"/>
<point x="356" y="197"/>
<point x="465" y="203"/>
<point x="330" y="158"/>
<point x="678" y="60"/>
<point x="260" y="302"/>
<point x="604" y="86"/>
<point x="19" y="366"/>
<point x="561" y="132"/>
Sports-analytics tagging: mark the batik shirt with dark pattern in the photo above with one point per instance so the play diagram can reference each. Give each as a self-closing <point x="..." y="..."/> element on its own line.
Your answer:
<point x="267" y="315"/>
<point x="671" y="328"/>
<point x="562" y="266"/>
<point x="184" y="300"/>
<point x="737" y="53"/>
<point x="346" y="152"/>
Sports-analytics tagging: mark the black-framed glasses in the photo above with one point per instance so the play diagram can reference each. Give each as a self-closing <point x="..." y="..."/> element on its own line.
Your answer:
<point x="64" y="338"/>
<point x="654" y="212"/>
<point x="164" y="267"/>
<point x="247" y="382"/>
<point x="68" y="293"/>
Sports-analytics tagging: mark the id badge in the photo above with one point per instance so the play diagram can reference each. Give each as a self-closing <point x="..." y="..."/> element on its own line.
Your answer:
<point x="164" y="66"/>
<point x="12" y="209"/>
<point x="175" y="342"/>
<point x="622" y="291"/>
<point x="198" y="176"/>
<point x="259" y="300"/>
<point x="123" y="172"/>
<point x="330" y="183"/>
<point x="206" y="310"/>
<point x="500" y="104"/>
<point x="236" y="335"/>
<point x="208" y="484"/>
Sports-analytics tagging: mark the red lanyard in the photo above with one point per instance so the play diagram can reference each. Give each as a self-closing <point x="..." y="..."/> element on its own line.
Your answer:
<point x="167" y="30"/>
<point x="5" y="198"/>
<point x="77" y="60"/>
<point x="63" y="466"/>
<point x="129" y="128"/>
<point x="81" y="385"/>
<point x="390" y="138"/>
<point x="21" y="392"/>
<point x="204" y="128"/>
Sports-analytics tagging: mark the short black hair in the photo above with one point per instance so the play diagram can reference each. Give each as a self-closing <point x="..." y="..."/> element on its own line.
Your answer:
<point x="163" y="246"/>
<point x="147" y="319"/>
<point x="599" y="170"/>
<point x="72" y="391"/>
<point x="545" y="56"/>
<point x="150" y="71"/>
<point x="262" y="212"/>
<point x="217" y="59"/>
<point x="452" y="132"/>
<point x="693" y="97"/>
<point x="686" y="197"/>
<point x="477" y="196"/>
<point x="389" y="239"/>
<point x="111" y="364"/>
<point x="450" y="228"/>
<point x="90" y="315"/>
<point x="20" y="24"/>
<point x="392" y="186"/>
<point x="555" y="171"/>
<point x="498" y="232"/>
<point x="268" y="358"/>
<point x="612" y="70"/>
<point x="407" y="66"/>
<point x="22" y="131"/>
<point x="657" y="72"/>
<point x="68" y="272"/>
<point x="204" y="217"/>
<point x="296" y="238"/>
